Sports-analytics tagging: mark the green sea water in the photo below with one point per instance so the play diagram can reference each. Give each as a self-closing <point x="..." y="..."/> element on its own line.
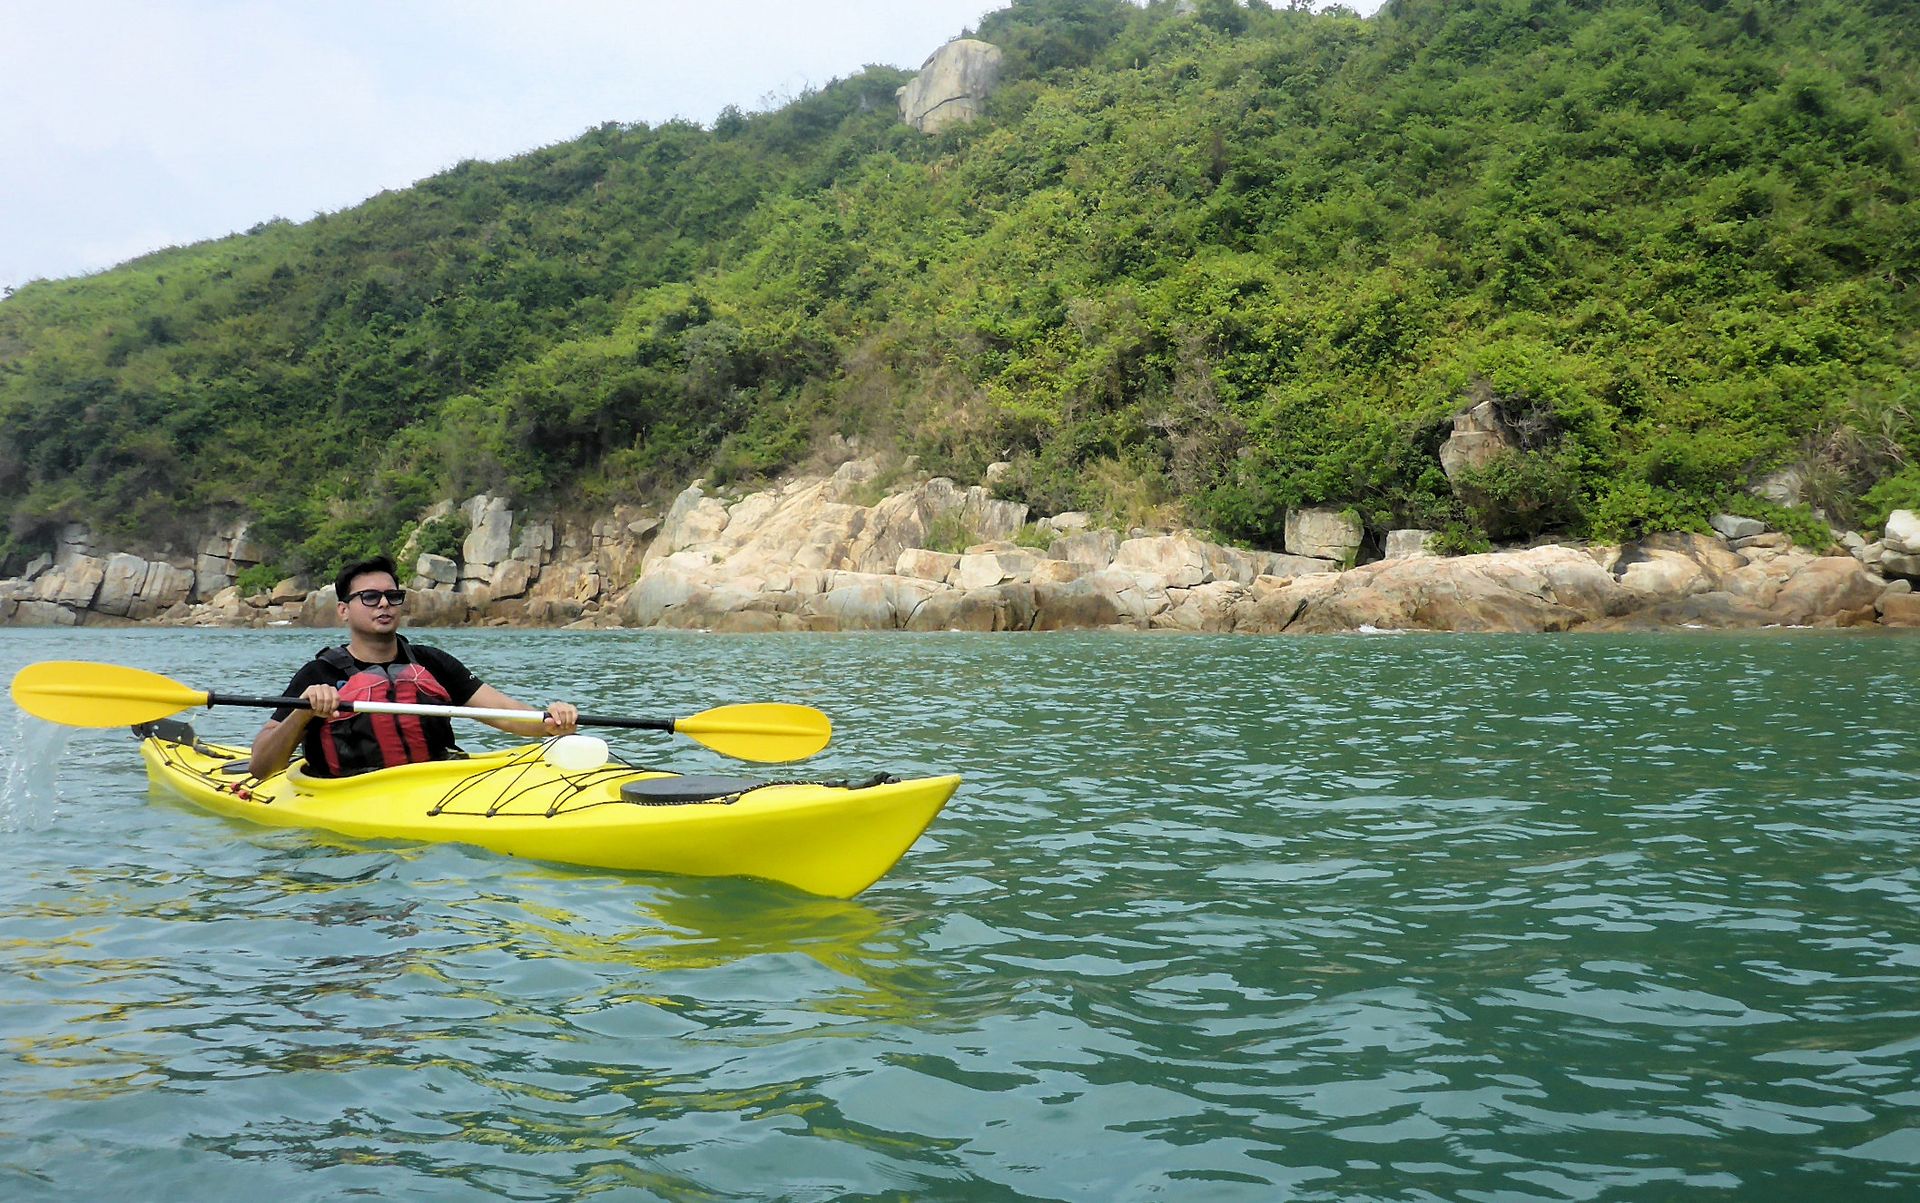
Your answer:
<point x="1387" y="917"/>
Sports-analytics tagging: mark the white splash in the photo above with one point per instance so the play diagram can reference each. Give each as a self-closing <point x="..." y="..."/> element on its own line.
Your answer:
<point x="29" y="772"/>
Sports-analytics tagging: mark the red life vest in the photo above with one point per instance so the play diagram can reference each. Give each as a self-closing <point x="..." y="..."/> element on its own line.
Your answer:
<point x="358" y="743"/>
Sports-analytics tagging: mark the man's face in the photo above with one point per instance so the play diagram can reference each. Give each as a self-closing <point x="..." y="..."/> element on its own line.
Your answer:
<point x="380" y="618"/>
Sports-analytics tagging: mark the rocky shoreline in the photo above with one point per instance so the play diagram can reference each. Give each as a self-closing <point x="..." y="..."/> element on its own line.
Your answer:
<point x="842" y="553"/>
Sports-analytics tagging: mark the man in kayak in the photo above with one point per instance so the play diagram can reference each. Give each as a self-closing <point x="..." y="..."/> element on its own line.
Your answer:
<point x="379" y="664"/>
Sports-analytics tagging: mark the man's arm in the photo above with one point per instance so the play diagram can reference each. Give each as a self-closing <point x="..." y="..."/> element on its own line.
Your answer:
<point x="274" y="746"/>
<point x="560" y="718"/>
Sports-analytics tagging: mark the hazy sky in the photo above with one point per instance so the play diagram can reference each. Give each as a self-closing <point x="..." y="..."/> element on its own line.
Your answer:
<point x="129" y="125"/>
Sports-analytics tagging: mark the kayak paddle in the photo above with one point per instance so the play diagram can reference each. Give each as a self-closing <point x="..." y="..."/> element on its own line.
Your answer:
<point x="81" y="693"/>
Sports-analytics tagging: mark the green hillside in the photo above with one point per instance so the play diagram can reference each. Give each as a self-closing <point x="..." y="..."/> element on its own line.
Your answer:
<point x="1193" y="266"/>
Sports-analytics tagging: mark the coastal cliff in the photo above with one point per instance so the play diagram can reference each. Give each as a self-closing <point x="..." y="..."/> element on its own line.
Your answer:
<point x="845" y="552"/>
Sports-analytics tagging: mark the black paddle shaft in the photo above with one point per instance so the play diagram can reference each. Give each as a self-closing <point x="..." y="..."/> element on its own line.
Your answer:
<point x="228" y="699"/>
<point x="640" y="724"/>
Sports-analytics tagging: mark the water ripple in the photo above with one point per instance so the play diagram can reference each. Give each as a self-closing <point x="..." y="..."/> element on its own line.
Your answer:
<point x="1316" y="919"/>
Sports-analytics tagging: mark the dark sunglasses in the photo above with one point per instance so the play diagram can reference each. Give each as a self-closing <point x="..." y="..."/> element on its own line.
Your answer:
<point x="372" y="597"/>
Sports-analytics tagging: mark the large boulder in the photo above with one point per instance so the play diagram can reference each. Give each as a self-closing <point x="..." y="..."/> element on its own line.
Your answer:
<point x="33" y="612"/>
<point x="954" y="610"/>
<point x="756" y="619"/>
<point x="1719" y="609"/>
<point x="1667" y="567"/>
<point x="430" y="608"/>
<point x="213" y="568"/>
<point x="853" y="479"/>
<point x="121" y="580"/>
<point x="1181" y="560"/>
<point x="988" y="518"/>
<point x="1540" y="589"/>
<point x="76" y="539"/>
<point x="693" y="519"/>
<point x="952" y="86"/>
<point x="489" y="534"/>
<point x="576" y="581"/>
<point x="985" y="569"/>
<point x="808" y="523"/>
<point x="166" y="586"/>
<point x="322" y="609"/>
<point x="708" y="608"/>
<point x="1080" y="604"/>
<point x="1663" y="576"/>
<point x="1280" y="564"/>
<point x="856" y="602"/>
<point x="74" y="584"/>
<point x="1324" y="534"/>
<point x="536" y="543"/>
<point x="1899" y="609"/>
<point x="1235" y="564"/>
<point x="1110" y="597"/>
<point x="1827" y="589"/>
<point x="1734" y="526"/>
<point x="1278" y="604"/>
<point x="511" y="579"/>
<point x="1212" y="607"/>
<point x="1903" y="532"/>
<point x="798" y="524"/>
<point x="1479" y="437"/>
<point x="436" y="570"/>
<point x="1008" y="607"/>
<point x="1900" y="546"/>
<point x="1093" y="548"/>
<point x="247" y="549"/>
<point x="869" y="601"/>
<point x="1409" y="544"/>
<point x="660" y="590"/>
<point x="926" y="565"/>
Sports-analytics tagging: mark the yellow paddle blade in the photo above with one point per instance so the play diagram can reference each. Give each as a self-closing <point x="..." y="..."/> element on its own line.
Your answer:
<point x="763" y="731"/>
<point x="80" y="693"/>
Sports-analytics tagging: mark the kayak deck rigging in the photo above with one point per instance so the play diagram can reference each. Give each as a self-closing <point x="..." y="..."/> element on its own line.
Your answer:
<point x="565" y="792"/>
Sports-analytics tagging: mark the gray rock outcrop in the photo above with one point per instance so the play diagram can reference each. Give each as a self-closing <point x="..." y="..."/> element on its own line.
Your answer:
<point x="1733" y="526"/>
<point x="1479" y="437"/>
<point x="1408" y="543"/>
<point x="952" y="86"/>
<point x="1324" y="534"/>
<point x="1900" y="545"/>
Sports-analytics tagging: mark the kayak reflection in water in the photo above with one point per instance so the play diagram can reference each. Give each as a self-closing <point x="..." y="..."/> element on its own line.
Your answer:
<point x="377" y="663"/>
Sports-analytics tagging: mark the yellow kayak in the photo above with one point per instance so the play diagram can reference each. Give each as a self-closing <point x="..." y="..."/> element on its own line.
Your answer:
<point x="828" y="838"/>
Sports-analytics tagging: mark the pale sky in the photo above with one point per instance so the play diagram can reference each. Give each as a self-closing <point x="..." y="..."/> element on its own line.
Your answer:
<point x="130" y="125"/>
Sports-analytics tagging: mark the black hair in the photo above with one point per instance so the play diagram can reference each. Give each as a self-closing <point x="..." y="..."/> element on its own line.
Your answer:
<point x="344" y="581"/>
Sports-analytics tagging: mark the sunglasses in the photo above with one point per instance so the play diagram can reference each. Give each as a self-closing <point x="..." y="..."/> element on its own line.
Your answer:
<point x="373" y="597"/>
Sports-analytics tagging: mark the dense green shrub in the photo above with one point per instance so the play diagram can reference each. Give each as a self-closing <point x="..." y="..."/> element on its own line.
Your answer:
<point x="261" y="578"/>
<point x="1901" y="492"/>
<point x="1521" y="493"/>
<point x="444" y="536"/>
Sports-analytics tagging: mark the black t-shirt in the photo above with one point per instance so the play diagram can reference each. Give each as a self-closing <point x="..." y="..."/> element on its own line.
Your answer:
<point x="460" y="684"/>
